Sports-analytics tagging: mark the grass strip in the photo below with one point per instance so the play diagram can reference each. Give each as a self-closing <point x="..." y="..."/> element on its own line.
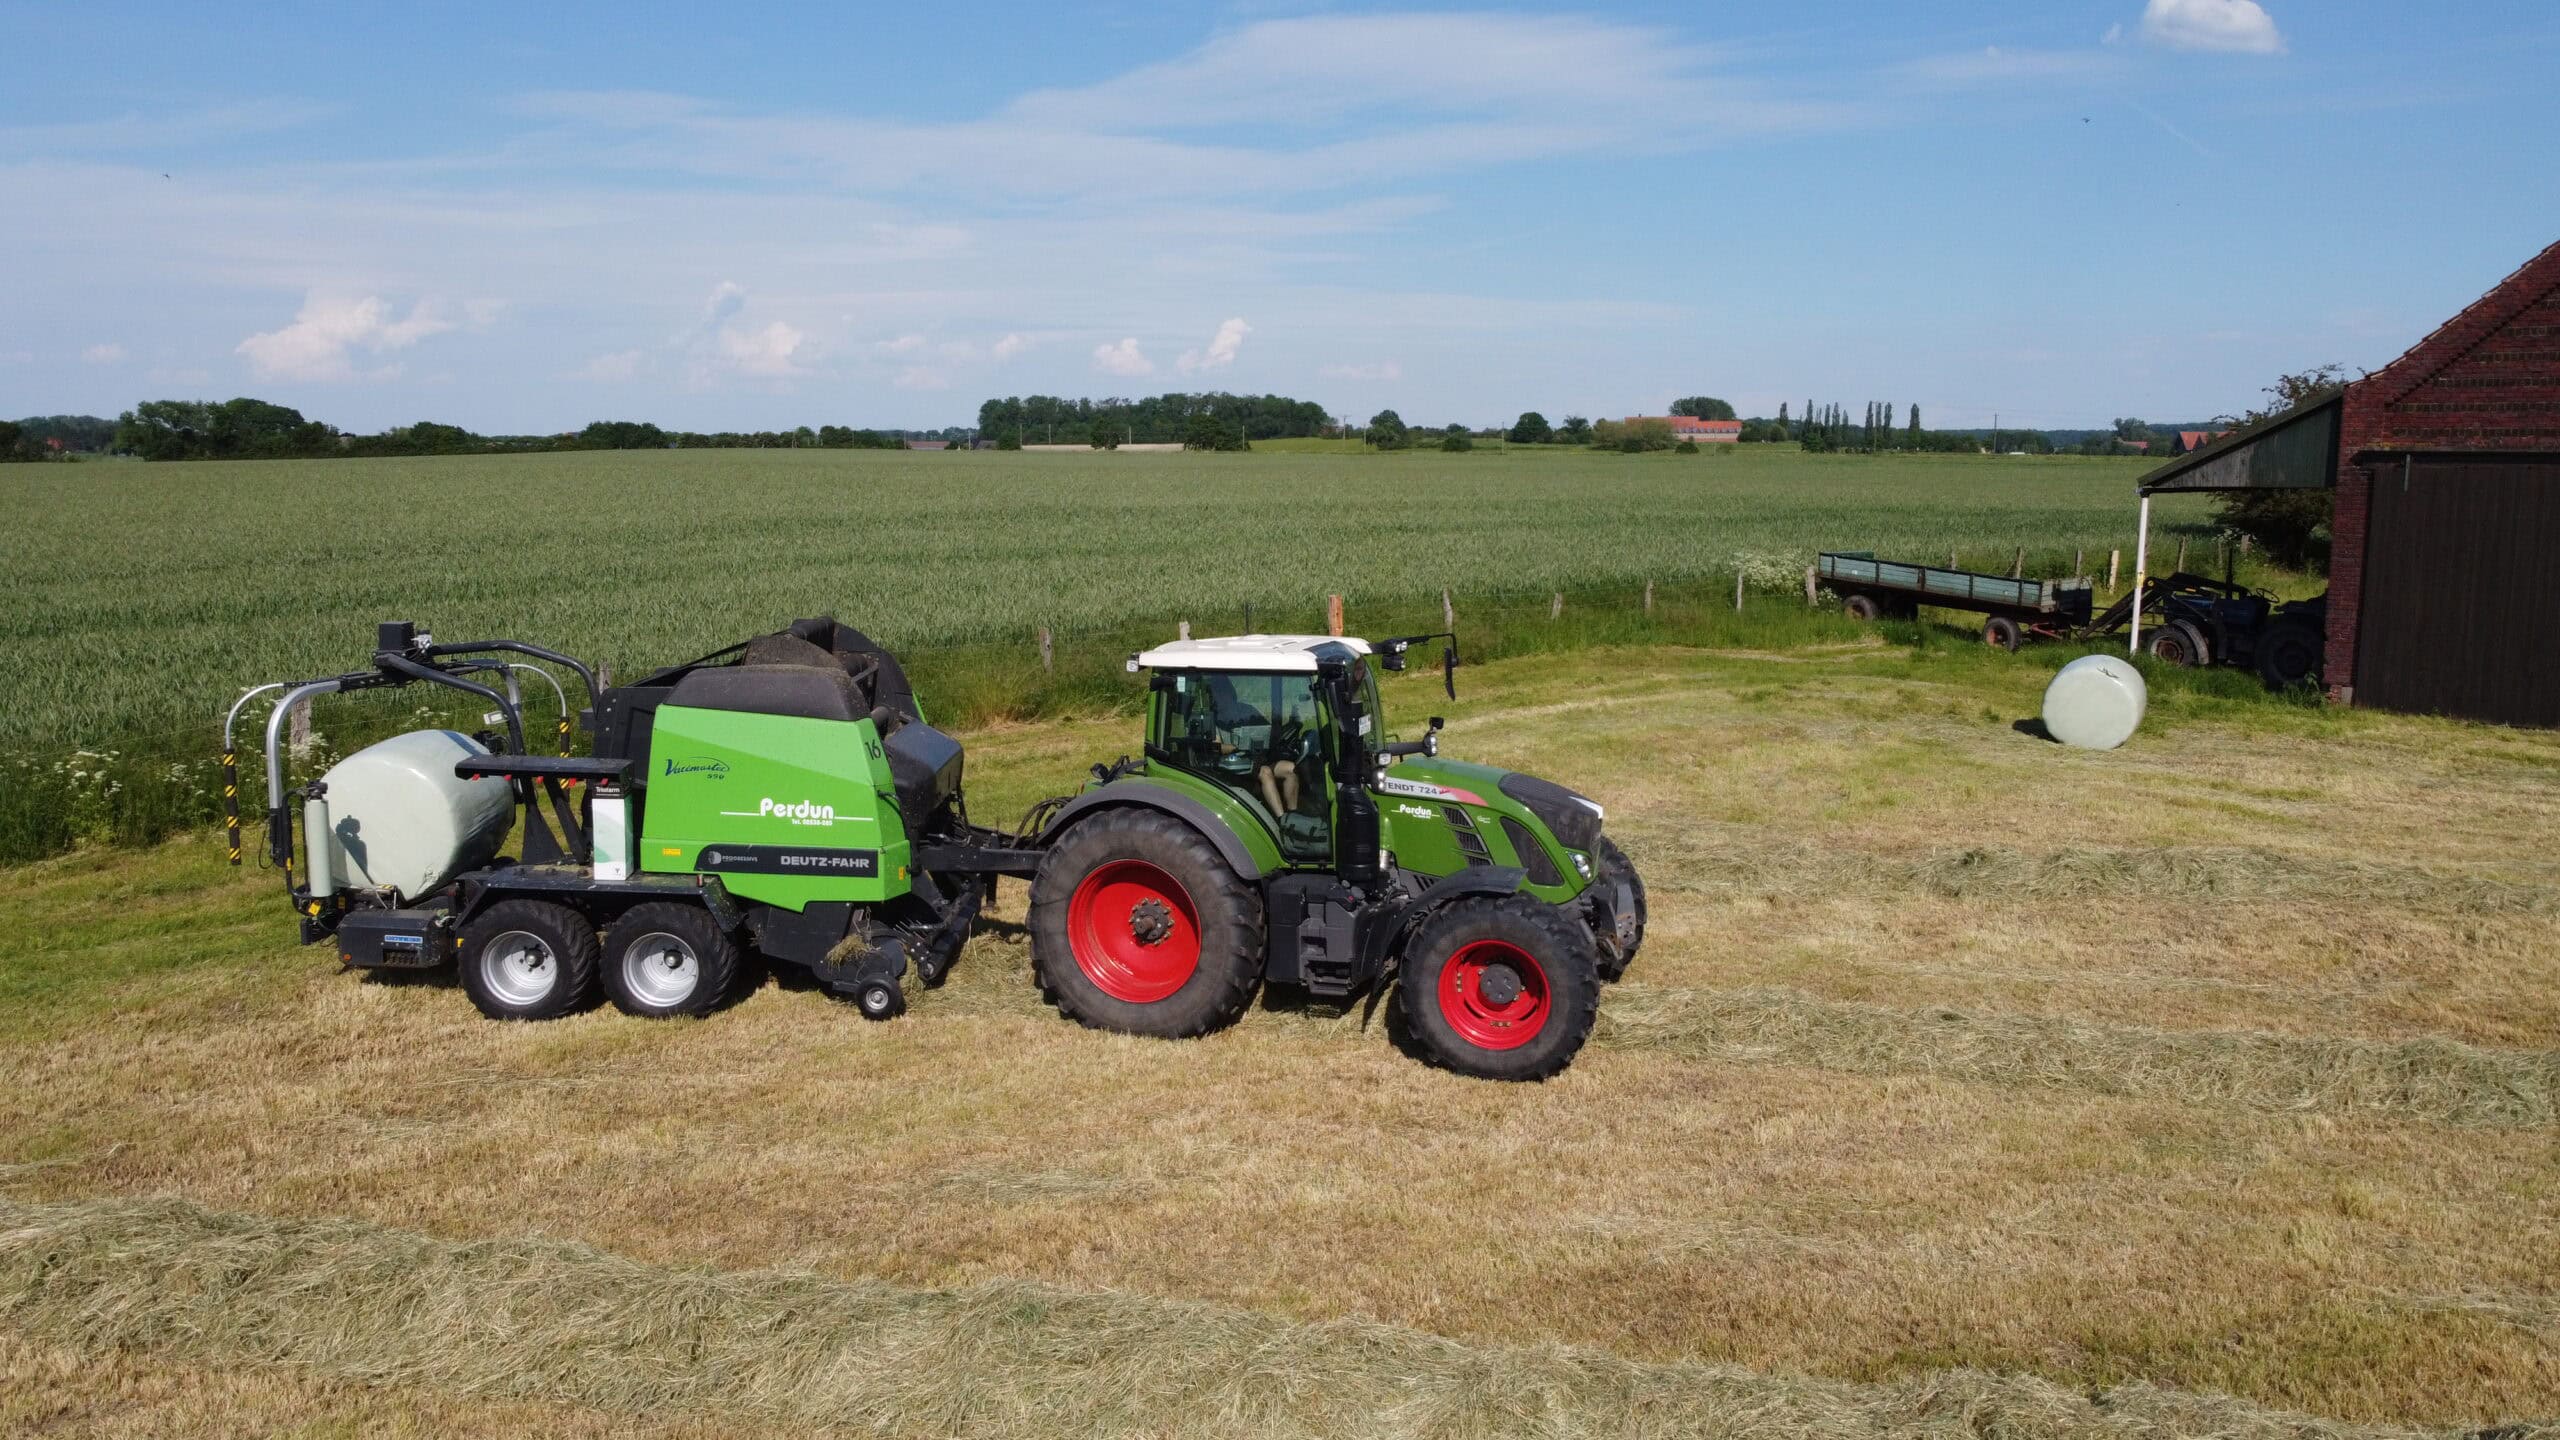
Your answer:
<point x="537" y="1320"/>
<point x="2425" y="1079"/>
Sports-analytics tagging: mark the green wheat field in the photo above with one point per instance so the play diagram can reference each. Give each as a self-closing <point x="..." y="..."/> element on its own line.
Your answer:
<point x="144" y="597"/>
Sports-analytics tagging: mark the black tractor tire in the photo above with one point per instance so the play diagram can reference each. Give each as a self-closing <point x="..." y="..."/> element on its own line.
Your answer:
<point x="1500" y="987"/>
<point x="529" y="960"/>
<point x="1862" y="607"/>
<point x="1618" y="952"/>
<point x="668" y="958"/>
<point x="2290" y="653"/>
<point x="1138" y="925"/>
<point x="2180" y="643"/>
<point x="2002" y="633"/>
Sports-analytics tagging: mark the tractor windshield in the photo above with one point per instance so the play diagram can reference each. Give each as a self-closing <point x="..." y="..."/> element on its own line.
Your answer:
<point x="1260" y="736"/>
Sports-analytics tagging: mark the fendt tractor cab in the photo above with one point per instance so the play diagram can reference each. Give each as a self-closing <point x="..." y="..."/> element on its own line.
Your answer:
<point x="786" y="800"/>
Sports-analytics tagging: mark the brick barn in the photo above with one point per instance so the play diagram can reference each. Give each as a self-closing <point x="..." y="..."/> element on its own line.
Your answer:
<point x="2444" y="570"/>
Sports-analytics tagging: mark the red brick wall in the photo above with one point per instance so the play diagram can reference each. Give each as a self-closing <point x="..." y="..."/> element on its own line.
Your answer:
<point x="2488" y="381"/>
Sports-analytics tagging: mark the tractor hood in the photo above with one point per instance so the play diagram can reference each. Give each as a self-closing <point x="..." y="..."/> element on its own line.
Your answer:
<point x="1572" y="818"/>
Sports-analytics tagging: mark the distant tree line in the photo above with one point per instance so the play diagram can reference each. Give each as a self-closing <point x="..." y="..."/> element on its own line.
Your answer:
<point x="1173" y="418"/>
<point x="246" y="429"/>
<point x="54" y="437"/>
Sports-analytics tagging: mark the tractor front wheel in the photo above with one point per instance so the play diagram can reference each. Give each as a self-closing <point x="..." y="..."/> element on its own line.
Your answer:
<point x="1138" y="925"/>
<point x="1499" y="987"/>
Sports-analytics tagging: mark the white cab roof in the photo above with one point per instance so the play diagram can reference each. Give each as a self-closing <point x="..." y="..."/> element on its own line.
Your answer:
<point x="1246" y="652"/>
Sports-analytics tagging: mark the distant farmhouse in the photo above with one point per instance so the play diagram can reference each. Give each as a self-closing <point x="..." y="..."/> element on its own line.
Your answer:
<point x="2190" y="441"/>
<point x="1705" y="432"/>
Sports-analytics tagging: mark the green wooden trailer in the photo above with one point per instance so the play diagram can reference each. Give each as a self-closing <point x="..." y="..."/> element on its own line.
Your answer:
<point x="1873" y="589"/>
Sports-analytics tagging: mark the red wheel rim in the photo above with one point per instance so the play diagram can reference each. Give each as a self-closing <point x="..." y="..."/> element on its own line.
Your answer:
<point x="1133" y="931"/>
<point x="1479" y="1018"/>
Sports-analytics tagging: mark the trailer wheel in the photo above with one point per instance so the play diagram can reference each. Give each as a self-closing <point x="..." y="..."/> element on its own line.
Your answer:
<point x="2180" y="643"/>
<point x="2001" y="632"/>
<point x="1861" y="607"/>
<point x="881" y="1000"/>
<point x="1137" y="925"/>
<point x="666" y="958"/>
<point x="2289" y="654"/>
<point x="1499" y="987"/>
<point x="1618" y="949"/>
<point x="529" y="960"/>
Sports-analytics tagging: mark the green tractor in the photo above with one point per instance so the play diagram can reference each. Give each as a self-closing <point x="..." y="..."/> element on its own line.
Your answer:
<point x="1276" y="831"/>
<point x="786" y="801"/>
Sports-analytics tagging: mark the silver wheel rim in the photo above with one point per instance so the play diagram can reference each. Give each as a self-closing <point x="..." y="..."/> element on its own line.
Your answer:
<point x="660" y="970"/>
<point x="519" y="968"/>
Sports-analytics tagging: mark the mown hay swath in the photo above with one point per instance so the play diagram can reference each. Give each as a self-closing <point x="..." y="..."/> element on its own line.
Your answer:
<point x="538" y="1320"/>
<point x="2426" y="1079"/>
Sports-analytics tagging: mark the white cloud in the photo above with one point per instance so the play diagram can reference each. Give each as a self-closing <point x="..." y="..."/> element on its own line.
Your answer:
<point x="1222" y="348"/>
<point x="775" y="352"/>
<point x="2114" y="35"/>
<point x="1383" y="370"/>
<point x="726" y="300"/>
<point x="1123" y="359"/>
<point x="922" y="377"/>
<point x="1010" y="346"/>
<point x="611" y="369"/>
<point x="103" y="354"/>
<point x="325" y="333"/>
<point x="902" y="345"/>
<point x="2234" y="26"/>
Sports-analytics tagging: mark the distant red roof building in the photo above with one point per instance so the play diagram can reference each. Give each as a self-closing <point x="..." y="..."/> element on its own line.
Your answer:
<point x="1688" y="427"/>
<point x="2192" y="440"/>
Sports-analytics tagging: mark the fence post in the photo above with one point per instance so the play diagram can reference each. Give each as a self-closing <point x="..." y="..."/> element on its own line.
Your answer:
<point x="1182" y="630"/>
<point x="1448" y="611"/>
<point x="1047" y="657"/>
<point x="2018" y="566"/>
<point x="1555" y="607"/>
<point x="1812" y="586"/>
<point x="2182" y="553"/>
<point x="2079" y="564"/>
<point x="1648" y="597"/>
<point x="1333" y="614"/>
<point x="1737" y="591"/>
<point x="2245" y="542"/>
<point x="2114" y="559"/>
<point x="1951" y="561"/>
<point x="1248" y="617"/>
<point x="298" y="731"/>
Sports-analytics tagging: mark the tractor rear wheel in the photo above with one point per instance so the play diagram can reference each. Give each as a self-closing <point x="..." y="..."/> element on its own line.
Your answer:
<point x="1138" y="925"/>
<point x="1618" y="950"/>
<point x="2289" y="654"/>
<point x="2001" y="633"/>
<point x="529" y="960"/>
<point x="664" y="959"/>
<point x="1499" y="987"/>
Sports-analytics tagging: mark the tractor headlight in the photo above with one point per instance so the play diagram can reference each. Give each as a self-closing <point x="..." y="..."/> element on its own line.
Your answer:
<point x="1581" y="862"/>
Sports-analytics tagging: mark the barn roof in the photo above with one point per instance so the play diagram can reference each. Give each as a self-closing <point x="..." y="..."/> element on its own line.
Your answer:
<point x="2450" y="341"/>
<point x="2297" y="450"/>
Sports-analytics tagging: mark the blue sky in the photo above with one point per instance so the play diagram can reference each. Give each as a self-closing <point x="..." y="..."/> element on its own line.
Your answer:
<point x="522" y="218"/>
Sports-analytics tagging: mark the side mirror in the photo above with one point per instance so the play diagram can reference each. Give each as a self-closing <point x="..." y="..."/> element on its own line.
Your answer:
<point x="1449" y="669"/>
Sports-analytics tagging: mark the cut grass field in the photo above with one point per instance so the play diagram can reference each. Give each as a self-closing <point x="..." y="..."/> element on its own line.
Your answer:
<point x="1967" y="1085"/>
